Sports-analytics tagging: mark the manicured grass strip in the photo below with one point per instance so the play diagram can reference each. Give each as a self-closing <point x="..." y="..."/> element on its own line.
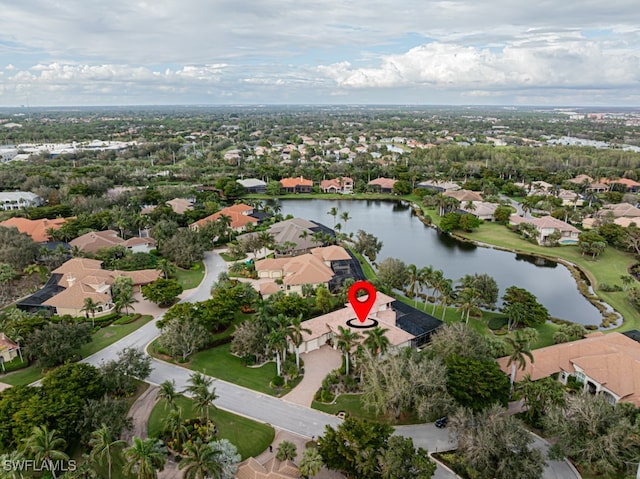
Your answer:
<point x="23" y="376"/>
<point x="190" y="278"/>
<point x="368" y="271"/>
<point x="110" y="334"/>
<point x="220" y="363"/>
<point x="250" y="437"/>
<point x="352" y="405"/>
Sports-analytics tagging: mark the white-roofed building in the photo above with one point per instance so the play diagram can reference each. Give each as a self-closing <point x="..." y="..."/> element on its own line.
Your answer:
<point x="15" y="200"/>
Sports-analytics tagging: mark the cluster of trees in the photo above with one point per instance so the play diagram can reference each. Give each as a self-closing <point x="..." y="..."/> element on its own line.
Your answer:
<point x="359" y="448"/>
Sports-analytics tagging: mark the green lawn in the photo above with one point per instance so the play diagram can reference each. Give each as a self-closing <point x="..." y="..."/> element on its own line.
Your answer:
<point x="250" y="437"/>
<point x="101" y="339"/>
<point x="352" y="405"/>
<point x="220" y="363"/>
<point x="190" y="278"/>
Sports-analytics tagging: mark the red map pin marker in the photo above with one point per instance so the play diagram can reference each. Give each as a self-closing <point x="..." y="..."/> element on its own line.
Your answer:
<point x="362" y="308"/>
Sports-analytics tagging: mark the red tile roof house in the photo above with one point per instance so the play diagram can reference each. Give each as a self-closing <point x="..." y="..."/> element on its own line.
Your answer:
<point x="239" y="215"/>
<point x="84" y="278"/>
<point x="383" y="185"/>
<point x="546" y="226"/>
<point x="628" y="185"/>
<point x="8" y="349"/>
<point x="37" y="229"/>
<point x="296" y="185"/>
<point x="342" y="185"/>
<point x="607" y="364"/>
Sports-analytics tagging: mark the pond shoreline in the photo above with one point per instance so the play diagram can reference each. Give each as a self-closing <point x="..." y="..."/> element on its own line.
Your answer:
<point x="584" y="283"/>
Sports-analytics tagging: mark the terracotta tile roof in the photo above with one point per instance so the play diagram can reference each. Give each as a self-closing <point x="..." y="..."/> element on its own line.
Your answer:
<point x="386" y="183"/>
<point x="37" y="229"/>
<point x="581" y="179"/>
<point x="95" y="240"/>
<point x="136" y="241"/>
<point x="546" y="222"/>
<point x="293" y="182"/>
<point x="612" y="359"/>
<point x="298" y="270"/>
<point x="623" y="181"/>
<point x="381" y="311"/>
<point x="464" y="195"/>
<point x="621" y="209"/>
<point x="6" y="343"/>
<point x="331" y="253"/>
<point x="336" y="183"/>
<point x="239" y="215"/>
<point x="272" y="469"/>
<point x="180" y="205"/>
<point x="291" y="231"/>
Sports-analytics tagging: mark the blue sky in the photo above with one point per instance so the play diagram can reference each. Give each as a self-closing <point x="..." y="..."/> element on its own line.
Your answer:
<point x="145" y="52"/>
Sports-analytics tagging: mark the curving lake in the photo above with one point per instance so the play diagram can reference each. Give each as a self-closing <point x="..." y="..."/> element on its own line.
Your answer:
<point x="406" y="237"/>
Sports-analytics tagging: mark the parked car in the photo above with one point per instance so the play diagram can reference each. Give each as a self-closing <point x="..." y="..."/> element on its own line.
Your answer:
<point x="442" y="422"/>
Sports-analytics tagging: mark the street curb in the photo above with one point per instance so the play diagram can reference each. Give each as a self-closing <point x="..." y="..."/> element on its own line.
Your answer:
<point x="569" y="463"/>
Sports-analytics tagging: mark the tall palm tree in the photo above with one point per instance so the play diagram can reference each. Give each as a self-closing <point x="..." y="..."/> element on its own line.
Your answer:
<point x="203" y="393"/>
<point x="333" y="212"/>
<point x="145" y="458"/>
<point x="168" y="392"/>
<point x="345" y="341"/>
<point x="13" y="457"/>
<point x="294" y="333"/>
<point x="104" y="446"/>
<point x="90" y="307"/>
<point x="468" y="301"/>
<point x="376" y="340"/>
<point x="166" y="267"/>
<point x="424" y="281"/>
<point x="287" y="451"/>
<point x="125" y="300"/>
<point x="277" y="341"/>
<point x="413" y="278"/>
<point x="174" y="428"/>
<point x="200" y="462"/>
<point x="344" y="216"/>
<point x="437" y="284"/>
<point x="45" y="447"/>
<point x="519" y="353"/>
<point x="446" y="295"/>
<point x="311" y="462"/>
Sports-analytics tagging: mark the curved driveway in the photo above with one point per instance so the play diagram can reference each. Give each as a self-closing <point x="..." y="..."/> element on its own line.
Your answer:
<point x="278" y="412"/>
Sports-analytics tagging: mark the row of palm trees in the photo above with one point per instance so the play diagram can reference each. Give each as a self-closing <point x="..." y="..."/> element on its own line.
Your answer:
<point x="375" y="341"/>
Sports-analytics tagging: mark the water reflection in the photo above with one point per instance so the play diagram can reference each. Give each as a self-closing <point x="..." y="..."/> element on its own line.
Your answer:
<point x="404" y="236"/>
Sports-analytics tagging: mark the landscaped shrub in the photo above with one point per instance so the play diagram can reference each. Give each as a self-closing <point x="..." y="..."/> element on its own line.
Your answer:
<point x="610" y="288"/>
<point x="15" y="364"/>
<point x="497" y="322"/>
<point x="277" y="382"/>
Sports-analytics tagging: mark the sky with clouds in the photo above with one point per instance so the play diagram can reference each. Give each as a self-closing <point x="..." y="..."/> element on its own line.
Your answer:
<point x="153" y="52"/>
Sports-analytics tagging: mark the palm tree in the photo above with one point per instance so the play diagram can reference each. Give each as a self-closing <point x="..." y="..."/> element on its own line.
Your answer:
<point x="174" y="428"/>
<point x="344" y="341"/>
<point x="468" y="301"/>
<point x="277" y="340"/>
<point x="518" y="357"/>
<point x="413" y="278"/>
<point x="446" y="295"/>
<point x="104" y="445"/>
<point x="145" y="458"/>
<point x="168" y="392"/>
<point x="166" y="267"/>
<point x="202" y="392"/>
<point x="125" y="300"/>
<point x="287" y="451"/>
<point x="90" y="307"/>
<point x="294" y="333"/>
<point x="376" y="340"/>
<point x="437" y="283"/>
<point x="311" y="462"/>
<point x="333" y="212"/>
<point x="424" y="281"/>
<point x="13" y="457"/>
<point x="46" y="447"/>
<point x="200" y="462"/>
<point x="344" y="216"/>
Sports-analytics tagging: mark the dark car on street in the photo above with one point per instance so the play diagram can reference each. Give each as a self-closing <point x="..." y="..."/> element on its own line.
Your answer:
<point x="442" y="422"/>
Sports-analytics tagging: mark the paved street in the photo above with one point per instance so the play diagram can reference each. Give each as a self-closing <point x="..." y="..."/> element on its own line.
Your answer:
<point x="278" y="412"/>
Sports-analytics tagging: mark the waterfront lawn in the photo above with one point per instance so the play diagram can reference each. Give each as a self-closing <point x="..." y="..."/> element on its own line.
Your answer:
<point x="220" y="363"/>
<point x="190" y="278"/>
<point x="250" y="437"/>
<point x="607" y="268"/>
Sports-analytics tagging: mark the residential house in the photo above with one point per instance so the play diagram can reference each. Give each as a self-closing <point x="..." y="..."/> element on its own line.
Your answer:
<point x="598" y="187"/>
<point x="253" y="185"/>
<point x="623" y="184"/>
<point x="342" y="185"/>
<point x="94" y="241"/>
<point x="240" y="215"/>
<point x="15" y="200"/>
<point x="78" y="279"/>
<point x="298" y="233"/>
<point x="439" y="186"/>
<point x="619" y="210"/>
<point x="606" y="364"/>
<point x="272" y="469"/>
<point x="37" y="229"/>
<point x="480" y="209"/>
<point x="180" y="205"/>
<point x="464" y="196"/>
<point x="8" y="349"/>
<point x="546" y="226"/>
<point x="570" y="198"/>
<point x="581" y="180"/>
<point x="405" y="325"/>
<point x="382" y="185"/>
<point x="296" y="185"/>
